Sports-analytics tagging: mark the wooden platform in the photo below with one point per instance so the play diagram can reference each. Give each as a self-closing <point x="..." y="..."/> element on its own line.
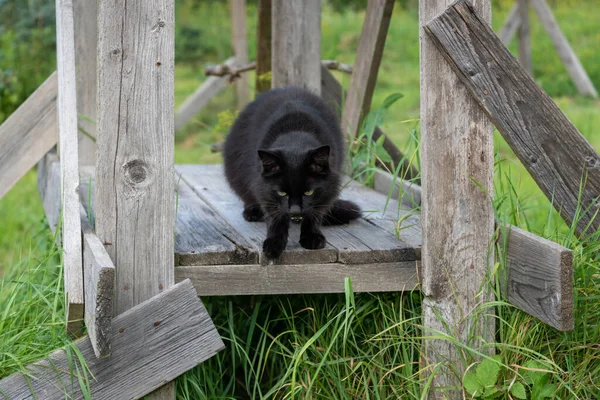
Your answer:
<point x="222" y="253"/>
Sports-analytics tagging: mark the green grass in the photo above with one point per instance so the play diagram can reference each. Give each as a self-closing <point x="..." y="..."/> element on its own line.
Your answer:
<point x="338" y="346"/>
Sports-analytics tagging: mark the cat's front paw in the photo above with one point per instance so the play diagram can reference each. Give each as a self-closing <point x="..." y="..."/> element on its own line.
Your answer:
<point x="313" y="241"/>
<point x="273" y="247"/>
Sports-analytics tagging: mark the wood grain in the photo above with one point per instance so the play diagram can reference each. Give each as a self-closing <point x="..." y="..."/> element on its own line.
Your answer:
<point x="69" y="165"/>
<point x="86" y="31"/>
<point x="135" y="202"/>
<point x="366" y="65"/>
<point x="263" y="45"/>
<point x="457" y="165"/>
<point x="239" y="44"/>
<point x="28" y="134"/>
<point x="153" y="343"/>
<point x="48" y="183"/>
<point x="511" y="24"/>
<point x="99" y="276"/>
<point x="532" y="124"/>
<point x="524" y="33"/>
<point x="217" y="280"/>
<point x="296" y="46"/>
<point x="212" y="86"/>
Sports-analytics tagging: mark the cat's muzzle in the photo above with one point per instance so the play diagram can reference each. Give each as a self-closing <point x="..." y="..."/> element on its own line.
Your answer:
<point x="296" y="218"/>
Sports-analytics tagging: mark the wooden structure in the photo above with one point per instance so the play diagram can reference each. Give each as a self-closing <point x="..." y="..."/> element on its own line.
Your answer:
<point x="134" y="248"/>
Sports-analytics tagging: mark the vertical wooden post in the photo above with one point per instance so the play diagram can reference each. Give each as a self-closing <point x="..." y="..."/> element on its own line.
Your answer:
<point x="511" y="24"/>
<point x="296" y="48"/>
<point x="240" y="48"/>
<point x="458" y="224"/>
<point x="86" y="28"/>
<point x="69" y="165"/>
<point x="366" y="64"/>
<point x="525" y="36"/>
<point x="263" y="45"/>
<point x="134" y="171"/>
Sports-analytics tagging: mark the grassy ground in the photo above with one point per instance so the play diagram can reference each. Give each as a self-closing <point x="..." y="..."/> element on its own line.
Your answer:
<point x="339" y="346"/>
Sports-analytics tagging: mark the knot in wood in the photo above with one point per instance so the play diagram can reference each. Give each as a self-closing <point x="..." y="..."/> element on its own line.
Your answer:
<point x="136" y="173"/>
<point x="592" y="162"/>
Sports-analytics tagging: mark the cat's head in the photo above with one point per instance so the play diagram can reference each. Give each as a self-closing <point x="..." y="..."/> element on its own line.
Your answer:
<point x="297" y="183"/>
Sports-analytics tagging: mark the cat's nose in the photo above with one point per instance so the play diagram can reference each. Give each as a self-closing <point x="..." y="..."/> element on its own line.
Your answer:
<point x="296" y="213"/>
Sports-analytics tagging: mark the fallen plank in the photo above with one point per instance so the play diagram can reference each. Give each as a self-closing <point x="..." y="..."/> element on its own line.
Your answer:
<point x="98" y="277"/>
<point x="152" y="343"/>
<point x="218" y="280"/>
<point x="28" y="134"/>
<point x="556" y="155"/>
<point x="212" y="86"/>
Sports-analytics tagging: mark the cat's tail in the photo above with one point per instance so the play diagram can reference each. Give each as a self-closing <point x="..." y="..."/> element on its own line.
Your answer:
<point x="342" y="212"/>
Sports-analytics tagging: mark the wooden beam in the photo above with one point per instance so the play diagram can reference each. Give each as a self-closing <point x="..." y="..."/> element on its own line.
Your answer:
<point x="69" y="164"/>
<point x="525" y="37"/>
<point x="99" y="276"/>
<point x="48" y="183"/>
<point x="240" y="48"/>
<point x="457" y="161"/>
<point x="28" y="134"/>
<point x="217" y="280"/>
<point x="366" y="65"/>
<point x="263" y="45"/>
<point x="296" y="46"/>
<point x="532" y="124"/>
<point x="211" y="87"/>
<point x="86" y="31"/>
<point x="511" y="24"/>
<point x="153" y="343"/>
<point x="134" y="171"/>
<point x="409" y="193"/>
<point x="567" y="55"/>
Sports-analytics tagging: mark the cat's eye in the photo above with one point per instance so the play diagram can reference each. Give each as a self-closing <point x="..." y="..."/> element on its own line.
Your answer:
<point x="309" y="192"/>
<point x="282" y="194"/>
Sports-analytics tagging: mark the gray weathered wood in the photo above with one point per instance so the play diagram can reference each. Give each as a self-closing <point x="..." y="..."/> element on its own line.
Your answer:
<point x="409" y="193"/>
<point x="296" y="46"/>
<point x="211" y="87"/>
<point x="240" y="48"/>
<point x="48" y="183"/>
<point x="525" y="36"/>
<point x="99" y="276"/>
<point x="567" y="55"/>
<point x="153" y="343"/>
<point x="539" y="277"/>
<point x="86" y="30"/>
<point x="532" y="124"/>
<point x="135" y="202"/>
<point x="69" y="164"/>
<point x="264" y="28"/>
<point x="28" y="134"/>
<point x="511" y="24"/>
<point x="203" y="238"/>
<point x="366" y="65"/>
<point x="216" y="280"/>
<point x="457" y="161"/>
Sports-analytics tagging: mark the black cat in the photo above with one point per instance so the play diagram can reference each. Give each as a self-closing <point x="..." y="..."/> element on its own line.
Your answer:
<point x="283" y="158"/>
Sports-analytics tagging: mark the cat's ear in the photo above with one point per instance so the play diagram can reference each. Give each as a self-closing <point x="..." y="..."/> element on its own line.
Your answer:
<point x="271" y="164"/>
<point x="319" y="159"/>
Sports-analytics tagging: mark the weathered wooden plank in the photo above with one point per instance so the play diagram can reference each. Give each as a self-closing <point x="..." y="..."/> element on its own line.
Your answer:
<point x="211" y="87"/>
<point x="209" y="183"/>
<point x="153" y="343"/>
<point x="239" y="44"/>
<point x="539" y="277"/>
<point x="69" y="164"/>
<point x="457" y="166"/>
<point x="203" y="238"/>
<point x="409" y="193"/>
<point x="86" y="31"/>
<point x="28" y="134"/>
<point x="511" y="24"/>
<point x="296" y="46"/>
<point x="217" y="280"/>
<point x="263" y="45"/>
<point x="565" y="51"/>
<point x="532" y="124"/>
<point x="525" y="36"/>
<point x="98" y="276"/>
<point x="366" y="65"/>
<point x="135" y="182"/>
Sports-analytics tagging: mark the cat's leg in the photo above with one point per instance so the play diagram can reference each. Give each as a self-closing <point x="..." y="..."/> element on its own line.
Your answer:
<point x="253" y="213"/>
<point x="310" y="234"/>
<point x="277" y="236"/>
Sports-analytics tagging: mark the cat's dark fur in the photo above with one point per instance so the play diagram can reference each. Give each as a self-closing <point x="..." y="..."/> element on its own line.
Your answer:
<point x="282" y="146"/>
